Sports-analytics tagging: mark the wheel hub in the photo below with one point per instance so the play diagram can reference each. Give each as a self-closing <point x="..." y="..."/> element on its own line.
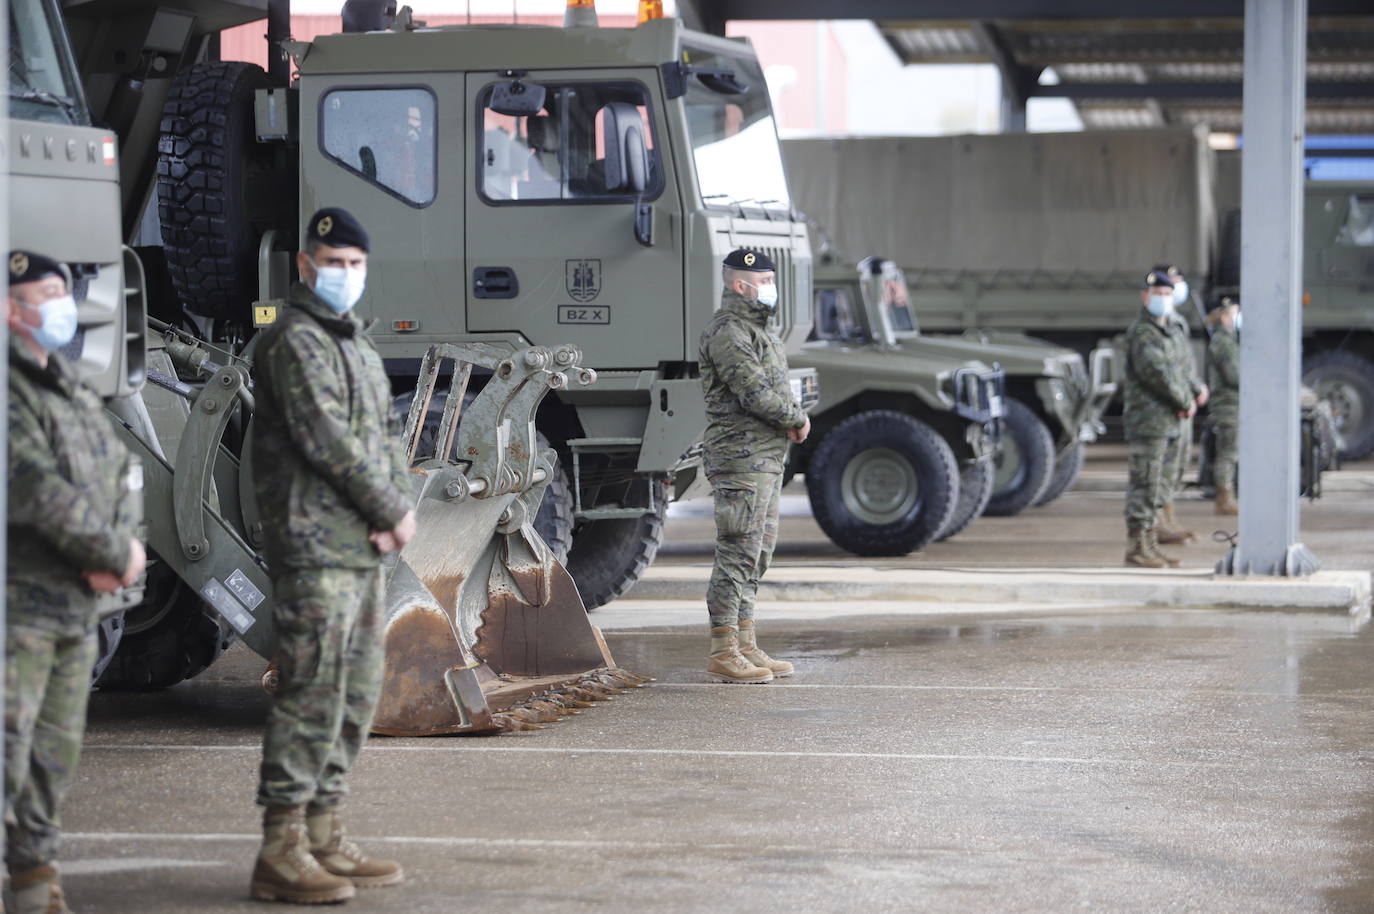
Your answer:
<point x="1007" y="465"/>
<point x="879" y="486"/>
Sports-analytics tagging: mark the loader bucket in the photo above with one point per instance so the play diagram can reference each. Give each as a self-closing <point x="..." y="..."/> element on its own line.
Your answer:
<point x="485" y="629"/>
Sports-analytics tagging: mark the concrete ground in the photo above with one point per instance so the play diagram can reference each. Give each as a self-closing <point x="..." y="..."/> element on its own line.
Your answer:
<point x="1112" y="759"/>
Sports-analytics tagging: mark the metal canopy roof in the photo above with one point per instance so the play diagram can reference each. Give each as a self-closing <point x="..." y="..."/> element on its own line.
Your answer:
<point x="1150" y="73"/>
<point x="1124" y="63"/>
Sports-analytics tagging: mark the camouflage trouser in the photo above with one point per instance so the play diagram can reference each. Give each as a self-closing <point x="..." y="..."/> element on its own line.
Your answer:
<point x="47" y="685"/>
<point x="746" y="532"/>
<point x="1227" y="433"/>
<point x="1176" y="456"/>
<point x="1145" y="486"/>
<point x="329" y="650"/>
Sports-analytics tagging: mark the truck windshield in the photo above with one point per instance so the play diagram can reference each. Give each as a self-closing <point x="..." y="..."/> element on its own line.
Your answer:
<point x="734" y="140"/>
<point x="42" y="87"/>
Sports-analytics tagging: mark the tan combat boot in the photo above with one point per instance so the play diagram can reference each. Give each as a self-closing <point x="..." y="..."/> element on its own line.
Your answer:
<point x="1170" y="533"/>
<point x="727" y="664"/>
<point x="749" y="649"/>
<point x="1152" y="543"/>
<point x="38" y="891"/>
<point x="1226" y="502"/>
<point x="286" y="870"/>
<point x="1138" y="551"/>
<point x="342" y="857"/>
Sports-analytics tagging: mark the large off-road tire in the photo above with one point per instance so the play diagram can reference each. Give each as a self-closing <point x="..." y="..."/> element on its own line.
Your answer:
<point x="1024" y="461"/>
<point x="882" y="483"/>
<point x="1346" y="380"/>
<point x="975" y="488"/>
<point x="1066" y="470"/>
<point x="217" y="188"/>
<point x="172" y="636"/>
<point x="608" y="556"/>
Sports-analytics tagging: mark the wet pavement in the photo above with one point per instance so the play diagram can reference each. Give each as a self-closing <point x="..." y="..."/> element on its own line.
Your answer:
<point x="1106" y="760"/>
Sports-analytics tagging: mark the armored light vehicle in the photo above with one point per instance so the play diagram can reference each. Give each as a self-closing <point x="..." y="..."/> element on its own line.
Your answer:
<point x="1054" y="403"/>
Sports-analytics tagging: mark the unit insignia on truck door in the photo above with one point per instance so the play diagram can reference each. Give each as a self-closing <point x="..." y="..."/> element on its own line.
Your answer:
<point x="584" y="279"/>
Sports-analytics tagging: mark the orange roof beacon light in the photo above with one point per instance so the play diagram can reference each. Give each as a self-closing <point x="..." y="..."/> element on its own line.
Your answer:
<point x="650" y="9"/>
<point x="580" y="14"/>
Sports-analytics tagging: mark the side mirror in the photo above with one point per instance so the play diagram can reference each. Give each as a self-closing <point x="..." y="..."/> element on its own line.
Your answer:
<point x="517" y="99"/>
<point x="627" y="158"/>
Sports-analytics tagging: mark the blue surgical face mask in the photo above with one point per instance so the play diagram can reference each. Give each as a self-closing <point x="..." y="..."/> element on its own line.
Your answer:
<point x="1180" y="292"/>
<point x="1160" y="305"/>
<point x="59" y="322"/>
<point x="339" y="287"/>
<point x="767" y="294"/>
<point x="1238" y="317"/>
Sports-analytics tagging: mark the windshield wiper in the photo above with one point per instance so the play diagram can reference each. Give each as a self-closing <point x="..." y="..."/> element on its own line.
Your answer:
<point x="45" y="97"/>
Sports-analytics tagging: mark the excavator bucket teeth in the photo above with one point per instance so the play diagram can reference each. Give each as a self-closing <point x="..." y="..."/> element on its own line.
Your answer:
<point x="486" y="631"/>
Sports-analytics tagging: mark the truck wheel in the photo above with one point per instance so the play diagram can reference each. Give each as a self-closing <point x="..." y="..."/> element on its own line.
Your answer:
<point x="608" y="556"/>
<point x="1346" y="380"/>
<point x="108" y="635"/>
<point x="1066" y="470"/>
<point x="975" y="488"/>
<point x="216" y="187"/>
<point x="554" y="519"/>
<point x="172" y="636"/>
<point x="882" y="483"/>
<point x="1024" y="461"/>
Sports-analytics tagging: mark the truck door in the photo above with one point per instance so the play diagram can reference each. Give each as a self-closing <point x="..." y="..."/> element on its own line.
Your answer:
<point x="1344" y="238"/>
<point x="381" y="148"/>
<point x="551" y="243"/>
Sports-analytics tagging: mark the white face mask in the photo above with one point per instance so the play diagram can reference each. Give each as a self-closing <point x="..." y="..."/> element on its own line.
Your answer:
<point x="1180" y="292"/>
<point x="339" y="287"/>
<point x="1238" y="316"/>
<point x="767" y="295"/>
<point x="59" y="322"/>
<point x="1160" y="305"/>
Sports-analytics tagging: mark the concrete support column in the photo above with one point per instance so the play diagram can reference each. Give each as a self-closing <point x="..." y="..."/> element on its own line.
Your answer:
<point x="1271" y="290"/>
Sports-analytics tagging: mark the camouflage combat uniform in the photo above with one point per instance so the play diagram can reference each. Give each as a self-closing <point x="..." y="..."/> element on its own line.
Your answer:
<point x="1179" y="447"/>
<point x="1156" y="390"/>
<point x="75" y="502"/>
<point x="330" y="471"/>
<point x="1223" y="377"/>
<point x="749" y="408"/>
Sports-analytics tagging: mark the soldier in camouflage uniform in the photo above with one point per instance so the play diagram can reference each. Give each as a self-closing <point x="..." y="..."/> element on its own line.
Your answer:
<point x="1176" y="459"/>
<point x="75" y="502"/>
<point x="1157" y="395"/>
<point x="334" y="495"/>
<point x="751" y="416"/>
<point x="1223" y="375"/>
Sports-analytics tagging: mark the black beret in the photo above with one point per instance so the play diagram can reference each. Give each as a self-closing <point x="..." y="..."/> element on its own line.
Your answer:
<point x="337" y="228"/>
<point x="1157" y="278"/>
<point x="26" y="266"/>
<point x="750" y="261"/>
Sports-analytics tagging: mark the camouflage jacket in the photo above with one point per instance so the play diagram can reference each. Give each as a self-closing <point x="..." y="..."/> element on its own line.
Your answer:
<point x="75" y="494"/>
<point x="1181" y="339"/>
<point x="1223" y="375"/>
<point x="326" y="452"/>
<point x="749" y="402"/>
<point x="1156" y="384"/>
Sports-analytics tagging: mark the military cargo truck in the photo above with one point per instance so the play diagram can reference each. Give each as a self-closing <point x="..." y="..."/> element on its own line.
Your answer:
<point x="1052" y="402"/>
<point x="1048" y="234"/>
<point x="523" y="184"/>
